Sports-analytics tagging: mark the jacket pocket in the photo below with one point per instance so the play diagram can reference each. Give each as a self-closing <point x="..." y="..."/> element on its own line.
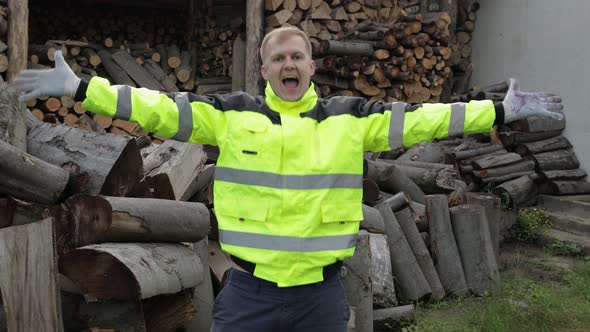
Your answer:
<point x="243" y="209"/>
<point x="342" y="211"/>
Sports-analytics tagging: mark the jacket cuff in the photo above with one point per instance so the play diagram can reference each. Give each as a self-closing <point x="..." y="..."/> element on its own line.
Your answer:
<point x="81" y="91"/>
<point x="499" y="108"/>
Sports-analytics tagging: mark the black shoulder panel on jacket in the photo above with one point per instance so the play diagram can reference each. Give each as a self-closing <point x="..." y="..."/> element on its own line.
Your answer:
<point x="236" y="101"/>
<point x="355" y="106"/>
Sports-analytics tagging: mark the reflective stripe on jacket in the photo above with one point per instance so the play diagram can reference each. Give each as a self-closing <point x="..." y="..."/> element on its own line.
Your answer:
<point x="288" y="182"/>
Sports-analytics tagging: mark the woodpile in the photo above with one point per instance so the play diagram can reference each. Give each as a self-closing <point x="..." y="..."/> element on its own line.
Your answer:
<point x="4" y="21"/>
<point x="382" y="50"/>
<point x="109" y="230"/>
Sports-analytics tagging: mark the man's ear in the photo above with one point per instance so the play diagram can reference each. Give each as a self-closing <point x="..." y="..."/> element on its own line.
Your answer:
<point x="263" y="72"/>
<point x="311" y="68"/>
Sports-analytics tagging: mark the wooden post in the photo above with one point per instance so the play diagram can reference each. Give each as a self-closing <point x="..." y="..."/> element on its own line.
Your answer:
<point x="18" y="37"/>
<point x="381" y="274"/>
<point x="238" y="65"/>
<point x="29" y="278"/>
<point x="491" y="203"/>
<point x="254" y="28"/>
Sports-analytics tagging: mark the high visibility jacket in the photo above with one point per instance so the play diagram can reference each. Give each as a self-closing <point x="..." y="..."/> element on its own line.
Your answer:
<point x="288" y="182"/>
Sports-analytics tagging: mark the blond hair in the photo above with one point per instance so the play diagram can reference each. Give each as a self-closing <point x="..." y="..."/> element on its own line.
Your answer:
<point x="281" y="32"/>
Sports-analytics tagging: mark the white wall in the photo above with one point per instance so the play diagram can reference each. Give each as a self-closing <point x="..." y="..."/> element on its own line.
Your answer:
<point x="545" y="44"/>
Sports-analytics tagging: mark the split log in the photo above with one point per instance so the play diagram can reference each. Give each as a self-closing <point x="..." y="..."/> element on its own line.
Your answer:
<point x="507" y="177"/>
<point x="176" y="165"/>
<point x="432" y="181"/>
<point x="116" y="73"/>
<point x="371" y="192"/>
<point x="356" y="277"/>
<point x="559" y="175"/>
<point x="14" y="212"/>
<point x="466" y="154"/>
<point x="492" y="209"/>
<point x="522" y="166"/>
<point x="424" y="152"/>
<point x="203" y="179"/>
<point x="518" y="192"/>
<point x="496" y="160"/>
<point x="512" y="138"/>
<point x="136" y="71"/>
<point x="420" y="164"/>
<point x="100" y="164"/>
<point x="393" y="180"/>
<point x="475" y="246"/>
<point x="408" y="225"/>
<point x="445" y="253"/>
<point x="565" y="187"/>
<point x="29" y="178"/>
<point x="219" y="261"/>
<point x="411" y="281"/>
<point x="381" y="273"/>
<point x="556" y="160"/>
<point x="131" y="271"/>
<point x="156" y="71"/>
<point x="13" y="128"/>
<point x="28" y="281"/>
<point x="384" y="319"/>
<point x="537" y="124"/>
<point x="83" y="220"/>
<point x="372" y="220"/>
<point x="551" y="144"/>
<point x="202" y="298"/>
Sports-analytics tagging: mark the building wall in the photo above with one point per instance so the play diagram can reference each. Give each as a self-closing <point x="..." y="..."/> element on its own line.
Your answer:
<point x="544" y="44"/>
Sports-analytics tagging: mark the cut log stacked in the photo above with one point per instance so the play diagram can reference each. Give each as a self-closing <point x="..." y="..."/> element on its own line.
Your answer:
<point x="3" y="40"/>
<point x="118" y="230"/>
<point x="382" y="50"/>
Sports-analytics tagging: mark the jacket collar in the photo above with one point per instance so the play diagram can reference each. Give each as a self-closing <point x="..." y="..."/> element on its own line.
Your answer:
<point x="305" y="104"/>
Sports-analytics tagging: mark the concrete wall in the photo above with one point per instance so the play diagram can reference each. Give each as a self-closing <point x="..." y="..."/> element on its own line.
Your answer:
<point x="544" y="44"/>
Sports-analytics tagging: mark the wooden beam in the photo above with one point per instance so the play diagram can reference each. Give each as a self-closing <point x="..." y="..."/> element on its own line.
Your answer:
<point x="18" y="37"/>
<point x="254" y="28"/>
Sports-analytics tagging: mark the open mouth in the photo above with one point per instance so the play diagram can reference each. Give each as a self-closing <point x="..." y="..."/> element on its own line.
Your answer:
<point x="290" y="82"/>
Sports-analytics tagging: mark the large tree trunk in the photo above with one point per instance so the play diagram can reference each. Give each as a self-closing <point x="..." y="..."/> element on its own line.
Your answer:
<point x="408" y="225"/>
<point x="474" y="242"/>
<point x="28" y="281"/>
<point x="13" y="128"/>
<point x="357" y="283"/>
<point x="100" y="164"/>
<point x="412" y="283"/>
<point x="84" y="220"/>
<point x="443" y="246"/>
<point x="177" y="164"/>
<point x="27" y="177"/>
<point x="131" y="271"/>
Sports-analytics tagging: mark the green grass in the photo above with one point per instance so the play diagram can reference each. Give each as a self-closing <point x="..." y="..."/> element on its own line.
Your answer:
<point x="521" y="305"/>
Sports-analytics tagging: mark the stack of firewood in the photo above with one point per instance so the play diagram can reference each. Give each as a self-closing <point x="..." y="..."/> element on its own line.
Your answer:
<point x="120" y="219"/>
<point x="3" y="38"/>
<point x="383" y="50"/>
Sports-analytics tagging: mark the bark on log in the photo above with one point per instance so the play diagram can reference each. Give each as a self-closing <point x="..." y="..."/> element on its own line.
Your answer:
<point x="13" y="128"/>
<point x="254" y="28"/>
<point x="156" y="71"/>
<point x="538" y="124"/>
<point x="392" y="179"/>
<point x="14" y="212"/>
<point x="518" y="192"/>
<point x="204" y="178"/>
<point x="131" y="271"/>
<point x="177" y="164"/>
<point x="477" y="254"/>
<point x="506" y="177"/>
<point x="381" y="273"/>
<point x="238" y="77"/>
<point x="356" y="277"/>
<point x="512" y="138"/>
<point x="496" y="160"/>
<point x="28" y="281"/>
<point x="424" y="152"/>
<point x="523" y="166"/>
<point x="573" y="174"/>
<point x="335" y="47"/>
<point x="116" y="73"/>
<point x="384" y="319"/>
<point x="492" y="209"/>
<point x="100" y="164"/>
<point x="29" y="178"/>
<point x="565" y="187"/>
<point x="84" y="220"/>
<point x="372" y="220"/>
<point x="202" y="298"/>
<point x="432" y="181"/>
<point x="551" y="144"/>
<point x="466" y="154"/>
<point x="408" y="225"/>
<point x="168" y="313"/>
<point x="412" y="283"/>
<point x="371" y="192"/>
<point x="556" y="160"/>
<point x="445" y="253"/>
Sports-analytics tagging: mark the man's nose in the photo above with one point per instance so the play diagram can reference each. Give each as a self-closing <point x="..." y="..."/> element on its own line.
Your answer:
<point x="289" y="62"/>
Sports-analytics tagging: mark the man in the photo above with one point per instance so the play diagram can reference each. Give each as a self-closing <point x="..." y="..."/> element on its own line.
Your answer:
<point x="288" y="182"/>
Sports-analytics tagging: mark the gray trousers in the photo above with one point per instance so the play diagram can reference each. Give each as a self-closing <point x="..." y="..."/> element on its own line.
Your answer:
<point x="247" y="303"/>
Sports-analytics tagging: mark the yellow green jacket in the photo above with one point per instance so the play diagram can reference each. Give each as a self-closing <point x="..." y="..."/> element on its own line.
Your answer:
<point x="288" y="182"/>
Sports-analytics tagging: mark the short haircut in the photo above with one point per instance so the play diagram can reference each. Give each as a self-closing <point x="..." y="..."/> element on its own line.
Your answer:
<point x="284" y="31"/>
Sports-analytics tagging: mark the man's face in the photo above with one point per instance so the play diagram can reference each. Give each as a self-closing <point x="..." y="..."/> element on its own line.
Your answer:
<point x="287" y="66"/>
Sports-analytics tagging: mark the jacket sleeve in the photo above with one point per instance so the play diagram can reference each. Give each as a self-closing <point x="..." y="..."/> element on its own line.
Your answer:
<point x="180" y="116"/>
<point x="400" y="124"/>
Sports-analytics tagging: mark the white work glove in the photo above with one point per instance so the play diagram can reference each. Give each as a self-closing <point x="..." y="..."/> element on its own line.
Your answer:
<point x="56" y="82"/>
<point x="519" y="105"/>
